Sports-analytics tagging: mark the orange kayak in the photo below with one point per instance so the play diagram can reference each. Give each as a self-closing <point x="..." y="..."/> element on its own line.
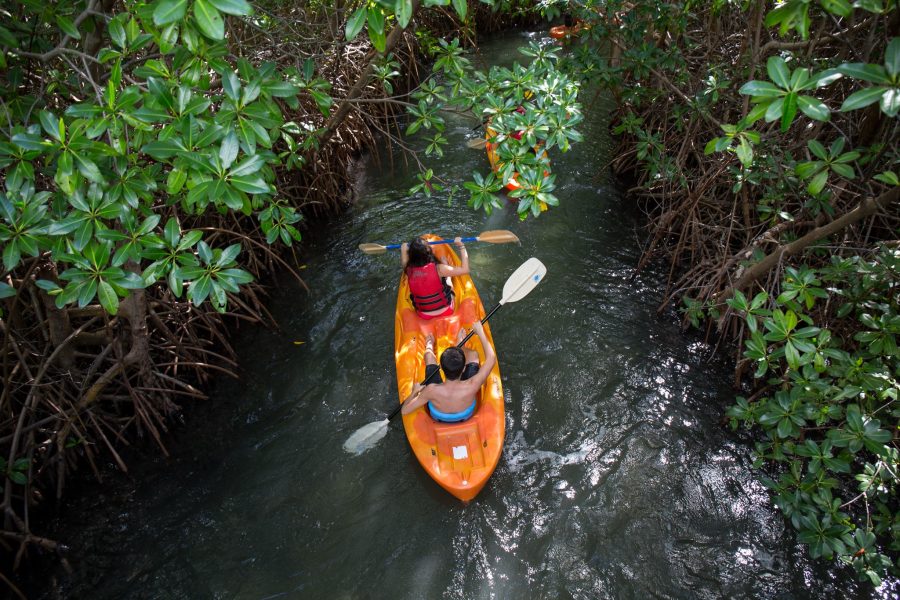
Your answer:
<point x="459" y="456"/>
<point x="561" y="32"/>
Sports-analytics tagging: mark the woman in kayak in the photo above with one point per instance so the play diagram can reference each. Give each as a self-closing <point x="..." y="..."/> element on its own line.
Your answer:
<point x="453" y="400"/>
<point x="429" y="290"/>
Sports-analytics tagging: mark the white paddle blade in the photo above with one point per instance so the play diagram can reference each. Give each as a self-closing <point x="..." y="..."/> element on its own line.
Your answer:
<point x="366" y="437"/>
<point x="524" y="280"/>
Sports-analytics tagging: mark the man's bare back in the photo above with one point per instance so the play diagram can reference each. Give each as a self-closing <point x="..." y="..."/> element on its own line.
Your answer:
<point x="456" y="394"/>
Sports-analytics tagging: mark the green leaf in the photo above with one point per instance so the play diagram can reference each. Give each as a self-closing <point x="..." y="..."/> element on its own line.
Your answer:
<point x="403" y="10"/>
<point x="68" y="27"/>
<point x="814" y="108"/>
<point x="233" y="7"/>
<point x="890" y="102"/>
<point x="785" y="428"/>
<point x="54" y="127"/>
<point x="117" y="32"/>
<point x="355" y="23"/>
<point x="862" y="98"/>
<point x="228" y="255"/>
<point x="375" y="18"/>
<point x="199" y="290"/>
<point x="888" y="178"/>
<point x="378" y="39"/>
<point x="87" y="167"/>
<point x="744" y="152"/>
<point x="209" y="20"/>
<point x="866" y="72"/>
<point x="231" y="84"/>
<point x="250" y="184"/>
<point x="778" y="72"/>
<point x="108" y="298"/>
<point x="229" y="150"/>
<point x="762" y="89"/>
<point x="461" y="7"/>
<point x="248" y="166"/>
<point x="892" y="57"/>
<point x="169" y="11"/>
<point x="845" y="171"/>
<point x="789" y="111"/>
<point x="816" y="147"/>
<point x="11" y="255"/>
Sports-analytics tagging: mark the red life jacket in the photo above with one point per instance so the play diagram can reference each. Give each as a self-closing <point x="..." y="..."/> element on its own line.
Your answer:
<point x="426" y="288"/>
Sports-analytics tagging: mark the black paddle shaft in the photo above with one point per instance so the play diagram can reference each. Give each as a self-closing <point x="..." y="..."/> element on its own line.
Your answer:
<point x="428" y="379"/>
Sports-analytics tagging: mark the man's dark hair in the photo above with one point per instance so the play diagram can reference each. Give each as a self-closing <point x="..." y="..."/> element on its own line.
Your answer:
<point x="453" y="361"/>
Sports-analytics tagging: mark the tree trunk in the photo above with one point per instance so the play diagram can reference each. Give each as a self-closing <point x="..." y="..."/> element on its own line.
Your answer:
<point x="866" y="208"/>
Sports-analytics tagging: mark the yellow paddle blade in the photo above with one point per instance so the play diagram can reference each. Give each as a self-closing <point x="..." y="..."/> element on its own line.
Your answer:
<point x="477" y="143"/>
<point x="372" y="248"/>
<point x="498" y="236"/>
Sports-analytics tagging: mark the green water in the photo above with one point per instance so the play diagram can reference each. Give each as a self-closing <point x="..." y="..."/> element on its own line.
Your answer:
<point x="617" y="479"/>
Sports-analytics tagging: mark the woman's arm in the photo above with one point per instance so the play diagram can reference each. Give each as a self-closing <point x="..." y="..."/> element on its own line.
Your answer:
<point x="463" y="268"/>
<point x="404" y="255"/>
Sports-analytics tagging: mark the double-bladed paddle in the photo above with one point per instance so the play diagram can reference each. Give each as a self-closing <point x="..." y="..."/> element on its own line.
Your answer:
<point x="519" y="285"/>
<point x="497" y="236"/>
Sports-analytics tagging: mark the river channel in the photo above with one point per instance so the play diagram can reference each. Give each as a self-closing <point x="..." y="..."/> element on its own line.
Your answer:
<point x="618" y="478"/>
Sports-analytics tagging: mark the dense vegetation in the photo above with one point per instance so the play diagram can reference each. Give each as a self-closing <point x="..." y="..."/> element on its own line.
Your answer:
<point x="762" y="142"/>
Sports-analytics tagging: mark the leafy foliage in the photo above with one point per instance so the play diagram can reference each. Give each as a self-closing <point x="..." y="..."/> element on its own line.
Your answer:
<point x="828" y="423"/>
<point x="526" y="112"/>
<point x="178" y="130"/>
<point x="797" y="133"/>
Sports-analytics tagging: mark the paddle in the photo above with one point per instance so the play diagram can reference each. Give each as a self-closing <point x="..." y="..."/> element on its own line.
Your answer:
<point x="519" y="285"/>
<point x="497" y="236"/>
<point x="477" y="143"/>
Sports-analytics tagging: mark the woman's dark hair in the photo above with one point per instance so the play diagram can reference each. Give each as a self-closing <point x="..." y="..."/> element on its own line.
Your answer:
<point x="420" y="253"/>
<point x="453" y="361"/>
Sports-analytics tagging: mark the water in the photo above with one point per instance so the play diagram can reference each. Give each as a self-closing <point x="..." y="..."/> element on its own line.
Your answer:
<point x="617" y="480"/>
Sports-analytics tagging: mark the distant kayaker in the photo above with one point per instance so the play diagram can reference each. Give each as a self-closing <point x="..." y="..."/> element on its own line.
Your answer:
<point x="453" y="400"/>
<point x="429" y="290"/>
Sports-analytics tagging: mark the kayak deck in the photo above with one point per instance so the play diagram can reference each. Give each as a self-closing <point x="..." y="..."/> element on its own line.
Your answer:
<point x="459" y="456"/>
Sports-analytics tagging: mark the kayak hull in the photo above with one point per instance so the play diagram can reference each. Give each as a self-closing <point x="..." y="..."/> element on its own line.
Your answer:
<point x="460" y="457"/>
<point x="563" y="33"/>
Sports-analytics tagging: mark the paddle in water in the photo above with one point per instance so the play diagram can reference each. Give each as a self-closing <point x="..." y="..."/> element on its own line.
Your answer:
<point x="519" y="285"/>
<point x="497" y="236"/>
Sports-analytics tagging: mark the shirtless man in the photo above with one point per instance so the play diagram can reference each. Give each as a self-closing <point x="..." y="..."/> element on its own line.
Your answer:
<point x="453" y="400"/>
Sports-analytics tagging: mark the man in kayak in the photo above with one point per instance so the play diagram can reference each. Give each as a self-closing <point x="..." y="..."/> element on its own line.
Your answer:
<point x="453" y="400"/>
<point x="429" y="290"/>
